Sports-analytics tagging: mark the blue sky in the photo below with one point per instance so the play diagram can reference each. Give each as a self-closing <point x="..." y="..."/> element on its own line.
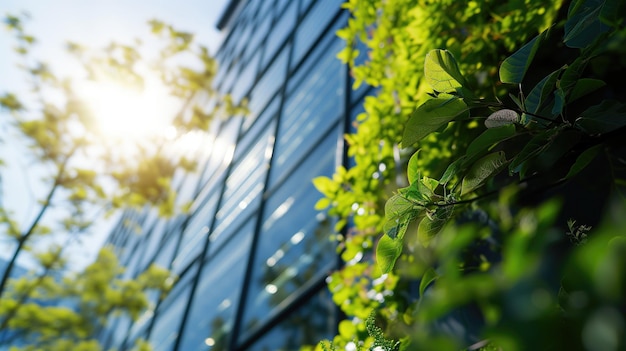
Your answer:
<point x="93" y="23"/>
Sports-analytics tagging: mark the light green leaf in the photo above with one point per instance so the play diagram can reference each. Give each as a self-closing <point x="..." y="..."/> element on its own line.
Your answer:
<point x="431" y="116"/>
<point x="482" y="170"/>
<point x="387" y="252"/>
<point x="325" y="185"/>
<point x="399" y="211"/>
<point x="412" y="170"/>
<point x="514" y="67"/>
<point x="442" y="72"/>
<point x="583" y="161"/>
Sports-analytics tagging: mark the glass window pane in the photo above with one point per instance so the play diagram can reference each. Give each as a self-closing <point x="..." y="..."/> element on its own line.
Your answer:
<point x="280" y="31"/>
<point x="308" y="325"/>
<point x="245" y="79"/>
<point x="153" y="242"/>
<point x="244" y="185"/>
<point x="310" y="109"/>
<point x="169" y="315"/>
<point x="259" y="34"/>
<point x="269" y="83"/>
<point x="313" y="24"/>
<point x="294" y="245"/>
<point x="217" y="295"/>
<point x="222" y="153"/>
<point x="195" y="233"/>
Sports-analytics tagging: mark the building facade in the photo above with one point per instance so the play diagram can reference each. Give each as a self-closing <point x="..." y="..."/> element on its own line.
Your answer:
<point x="253" y="255"/>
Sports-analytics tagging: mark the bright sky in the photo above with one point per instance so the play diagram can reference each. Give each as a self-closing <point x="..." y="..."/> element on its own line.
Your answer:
<point x="93" y="23"/>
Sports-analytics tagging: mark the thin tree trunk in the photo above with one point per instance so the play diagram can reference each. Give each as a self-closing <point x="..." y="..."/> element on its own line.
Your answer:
<point x="22" y="240"/>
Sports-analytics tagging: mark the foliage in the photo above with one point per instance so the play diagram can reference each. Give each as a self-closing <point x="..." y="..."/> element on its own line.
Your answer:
<point x="552" y="126"/>
<point x="40" y="311"/>
<point x="86" y="173"/>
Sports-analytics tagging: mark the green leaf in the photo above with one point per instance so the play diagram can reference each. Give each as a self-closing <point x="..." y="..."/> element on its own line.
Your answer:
<point x="387" y="252"/>
<point x="442" y="72"/>
<point x="605" y="117"/>
<point x="482" y="170"/>
<point x="399" y="211"/>
<point x="453" y="169"/>
<point x="583" y="161"/>
<point x="431" y="225"/>
<point x="583" y="25"/>
<point x="514" y="67"/>
<point x="542" y="92"/>
<point x="559" y="102"/>
<point x="429" y="276"/>
<point x="502" y="118"/>
<point x="613" y="12"/>
<point x="431" y="116"/>
<point x="585" y="86"/>
<point x="412" y="170"/>
<point x="535" y="146"/>
<point x="325" y="185"/>
<point x="485" y="141"/>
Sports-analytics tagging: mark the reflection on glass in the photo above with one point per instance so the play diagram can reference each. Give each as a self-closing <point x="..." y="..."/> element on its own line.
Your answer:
<point x="310" y="109"/>
<point x="215" y="301"/>
<point x="307" y="325"/>
<point x="170" y="313"/>
<point x="294" y="247"/>
<point x="195" y="233"/>
<point x="243" y="187"/>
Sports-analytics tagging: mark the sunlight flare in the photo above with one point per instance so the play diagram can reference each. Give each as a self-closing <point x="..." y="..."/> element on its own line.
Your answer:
<point x="130" y="114"/>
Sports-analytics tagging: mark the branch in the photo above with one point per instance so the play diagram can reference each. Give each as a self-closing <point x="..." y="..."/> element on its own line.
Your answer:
<point x="46" y="205"/>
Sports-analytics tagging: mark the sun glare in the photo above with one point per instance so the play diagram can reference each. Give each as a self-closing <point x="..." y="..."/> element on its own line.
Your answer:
<point x="127" y="114"/>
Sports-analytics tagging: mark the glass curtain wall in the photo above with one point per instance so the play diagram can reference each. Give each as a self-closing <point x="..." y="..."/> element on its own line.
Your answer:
<point x="252" y="254"/>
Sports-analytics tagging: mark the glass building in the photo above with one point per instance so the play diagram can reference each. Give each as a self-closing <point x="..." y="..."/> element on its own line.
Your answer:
<point x="253" y="254"/>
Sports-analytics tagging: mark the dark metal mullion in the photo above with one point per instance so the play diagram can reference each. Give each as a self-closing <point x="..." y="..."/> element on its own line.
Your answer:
<point x="205" y="249"/>
<point x="238" y="320"/>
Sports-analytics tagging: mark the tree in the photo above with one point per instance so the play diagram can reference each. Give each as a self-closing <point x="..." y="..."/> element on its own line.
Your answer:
<point x="505" y="272"/>
<point x="86" y="174"/>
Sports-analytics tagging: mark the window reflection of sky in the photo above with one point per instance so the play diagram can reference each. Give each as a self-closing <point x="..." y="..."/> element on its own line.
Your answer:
<point x="294" y="245"/>
<point x="212" y="310"/>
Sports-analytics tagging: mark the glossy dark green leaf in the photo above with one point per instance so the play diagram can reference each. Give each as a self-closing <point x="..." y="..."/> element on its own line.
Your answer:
<point x="583" y="161"/>
<point x="431" y="116"/>
<point x="514" y="67"/>
<point x="583" y="25"/>
<point x="613" y="12"/>
<point x="482" y="170"/>
<point x="605" y="117"/>
<point x="485" y="141"/>
<point x="585" y="86"/>
<point x="559" y="102"/>
<point x="453" y="169"/>
<point x="541" y="93"/>
<point x="536" y="145"/>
